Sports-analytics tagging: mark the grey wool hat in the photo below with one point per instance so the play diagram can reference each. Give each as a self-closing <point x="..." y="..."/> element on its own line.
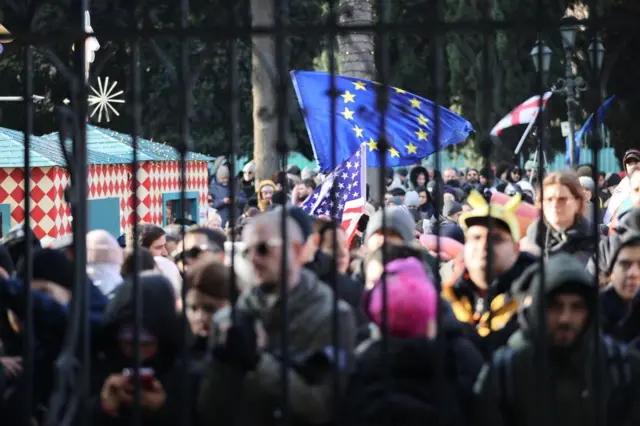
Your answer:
<point x="396" y="219"/>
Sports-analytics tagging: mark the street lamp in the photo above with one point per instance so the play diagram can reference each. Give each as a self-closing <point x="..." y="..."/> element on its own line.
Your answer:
<point x="571" y="84"/>
<point x="541" y="56"/>
<point x="568" y="31"/>
<point x="596" y="54"/>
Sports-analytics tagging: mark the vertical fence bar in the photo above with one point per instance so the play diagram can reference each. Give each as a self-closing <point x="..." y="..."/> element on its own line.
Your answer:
<point x="80" y="216"/>
<point x="281" y="12"/>
<point x="28" y="343"/>
<point x="185" y="85"/>
<point x="333" y="97"/>
<point x="484" y="123"/>
<point x="382" y="103"/>
<point x="541" y="356"/>
<point x="136" y="112"/>
<point x="594" y="29"/>
<point x="234" y="111"/>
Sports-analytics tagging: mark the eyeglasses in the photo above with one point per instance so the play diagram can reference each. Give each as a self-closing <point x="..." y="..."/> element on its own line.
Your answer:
<point x="264" y="248"/>
<point x="561" y="201"/>
<point x="194" y="252"/>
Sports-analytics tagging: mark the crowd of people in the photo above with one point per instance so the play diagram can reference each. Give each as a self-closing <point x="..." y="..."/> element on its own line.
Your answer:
<point x="501" y="321"/>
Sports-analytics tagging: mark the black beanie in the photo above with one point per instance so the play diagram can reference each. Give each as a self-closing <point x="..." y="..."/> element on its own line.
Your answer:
<point x="50" y="265"/>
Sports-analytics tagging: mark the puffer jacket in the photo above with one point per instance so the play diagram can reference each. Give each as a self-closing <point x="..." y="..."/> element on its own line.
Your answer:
<point x="577" y="241"/>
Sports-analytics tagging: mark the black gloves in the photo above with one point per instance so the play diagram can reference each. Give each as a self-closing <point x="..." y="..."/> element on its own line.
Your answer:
<point x="240" y="347"/>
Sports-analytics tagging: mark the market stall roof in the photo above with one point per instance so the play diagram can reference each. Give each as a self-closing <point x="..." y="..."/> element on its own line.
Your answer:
<point x="120" y="145"/>
<point x="45" y="152"/>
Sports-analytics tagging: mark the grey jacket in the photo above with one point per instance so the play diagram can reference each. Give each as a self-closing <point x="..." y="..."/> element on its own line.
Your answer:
<point x="228" y="396"/>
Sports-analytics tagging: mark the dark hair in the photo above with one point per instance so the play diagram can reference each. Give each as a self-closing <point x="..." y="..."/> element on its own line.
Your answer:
<point x="211" y="278"/>
<point x="279" y="198"/>
<point x="148" y="233"/>
<point x="486" y="173"/>
<point x="146" y="262"/>
<point x="309" y="183"/>
<point x="215" y="237"/>
<point x="501" y="169"/>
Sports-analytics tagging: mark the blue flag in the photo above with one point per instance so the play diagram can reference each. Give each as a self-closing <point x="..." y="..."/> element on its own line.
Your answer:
<point x="410" y="128"/>
<point x="587" y="127"/>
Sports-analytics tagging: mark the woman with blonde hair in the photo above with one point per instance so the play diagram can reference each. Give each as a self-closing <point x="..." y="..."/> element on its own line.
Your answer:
<point x="563" y="227"/>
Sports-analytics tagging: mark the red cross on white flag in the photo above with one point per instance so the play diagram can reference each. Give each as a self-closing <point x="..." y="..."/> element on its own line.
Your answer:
<point x="524" y="113"/>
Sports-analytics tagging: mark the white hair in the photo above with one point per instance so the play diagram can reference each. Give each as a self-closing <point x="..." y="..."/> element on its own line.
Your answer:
<point x="171" y="272"/>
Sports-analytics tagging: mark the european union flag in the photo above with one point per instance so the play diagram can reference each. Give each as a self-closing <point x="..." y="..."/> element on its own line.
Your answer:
<point x="410" y="128"/>
<point x="586" y="127"/>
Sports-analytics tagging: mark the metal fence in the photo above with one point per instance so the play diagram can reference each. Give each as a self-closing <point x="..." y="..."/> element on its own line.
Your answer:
<point x="485" y="26"/>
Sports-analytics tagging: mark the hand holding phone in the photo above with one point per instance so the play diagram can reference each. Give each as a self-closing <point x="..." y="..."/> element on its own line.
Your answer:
<point x="147" y="377"/>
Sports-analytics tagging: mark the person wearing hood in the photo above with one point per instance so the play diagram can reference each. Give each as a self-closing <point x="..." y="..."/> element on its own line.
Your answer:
<point x="608" y="246"/>
<point x="632" y="199"/>
<point x="482" y="297"/>
<point x="104" y="261"/>
<point x="430" y="380"/>
<point x="412" y="203"/>
<point x="161" y="374"/>
<point x="590" y="196"/>
<point x="242" y="384"/>
<point x="418" y="177"/>
<point x="52" y="288"/>
<point x="514" y="389"/>
<point x="265" y="191"/>
<point x="427" y="208"/>
<point x="563" y="228"/>
<point x="221" y="194"/>
<point x="619" y="304"/>
<point x="401" y="174"/>
<point x="247" y="183"/>
<point x="449" y="226"/>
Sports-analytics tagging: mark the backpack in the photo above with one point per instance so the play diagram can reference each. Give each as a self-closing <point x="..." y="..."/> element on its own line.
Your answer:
<point x="620" y="399"/>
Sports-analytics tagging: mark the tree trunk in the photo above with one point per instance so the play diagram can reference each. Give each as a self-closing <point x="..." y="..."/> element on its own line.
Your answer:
<point x="263" y="81"/>
<point x="357" y="60"/>
<point x="356" y="49"/>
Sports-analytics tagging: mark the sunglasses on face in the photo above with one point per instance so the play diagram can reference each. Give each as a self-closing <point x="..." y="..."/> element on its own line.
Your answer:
<point x="264" y="248"/>
<point x="194" y="253"/>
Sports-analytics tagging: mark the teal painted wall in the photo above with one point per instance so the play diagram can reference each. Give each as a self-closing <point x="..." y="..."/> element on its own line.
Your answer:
<point x="192" y="195"/>
<point x="104" y="214"/>
<point x="5" y="211"/>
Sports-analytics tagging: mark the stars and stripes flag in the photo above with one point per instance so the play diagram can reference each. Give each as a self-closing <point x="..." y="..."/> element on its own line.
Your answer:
<point x="525" y="113"/>
<point x="347" y="184"/>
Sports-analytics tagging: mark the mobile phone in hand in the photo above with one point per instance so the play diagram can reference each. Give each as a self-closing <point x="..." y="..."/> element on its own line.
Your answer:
<point x="147" y="376"/>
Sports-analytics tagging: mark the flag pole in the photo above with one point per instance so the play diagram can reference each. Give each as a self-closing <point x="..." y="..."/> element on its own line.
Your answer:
<point x="526" y="133"/>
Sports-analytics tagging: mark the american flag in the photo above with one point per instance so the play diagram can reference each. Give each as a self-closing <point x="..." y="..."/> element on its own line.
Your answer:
<point x="524" y="113"/>
<point x="347" y="182"/>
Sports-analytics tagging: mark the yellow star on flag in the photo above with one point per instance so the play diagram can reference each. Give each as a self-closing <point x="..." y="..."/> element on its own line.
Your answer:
<point x="422" y="135"/>
<point x="400" y="91"/>
<point x="359" y="85"/>
<point x="347" y="113"/>
<point x="424" y="121"/>
<point x="415" y="103"/>
<point x="373" y="145"/>
<point x="358" y="131"/>
<point x="348" y="97"/>
<point x="411" y="148"/>
<point x="394" y="152"/>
